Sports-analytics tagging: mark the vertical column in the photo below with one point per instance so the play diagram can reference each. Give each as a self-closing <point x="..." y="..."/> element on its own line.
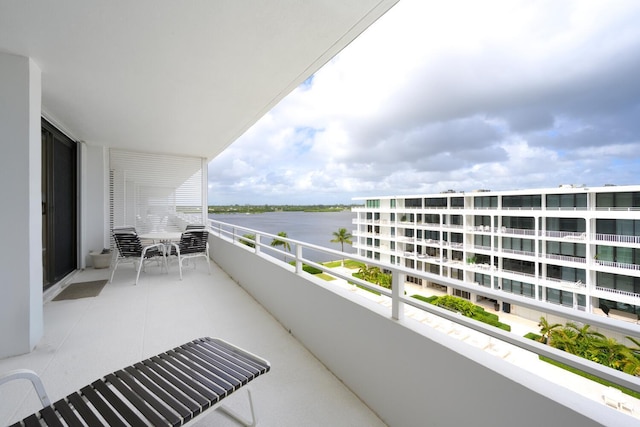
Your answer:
<point x="205" y="191"/>
<point x="20" y="188"/>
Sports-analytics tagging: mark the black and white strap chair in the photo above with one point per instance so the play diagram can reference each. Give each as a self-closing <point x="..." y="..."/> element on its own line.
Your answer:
<point x="130" y="249"/>
<point x="169" y="389"/>
<point x="194" y="243"/>
<point x="195" y="227"/>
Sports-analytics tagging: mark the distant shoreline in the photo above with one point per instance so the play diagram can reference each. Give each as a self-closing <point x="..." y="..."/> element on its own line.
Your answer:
<point x="255" y="209"/>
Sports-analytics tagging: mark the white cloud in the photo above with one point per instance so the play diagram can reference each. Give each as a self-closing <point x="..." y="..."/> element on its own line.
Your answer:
<point x="457" y="94"/>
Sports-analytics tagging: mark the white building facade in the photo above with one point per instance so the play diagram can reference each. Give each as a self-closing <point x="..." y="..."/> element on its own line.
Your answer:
<point x="574" y="246"/>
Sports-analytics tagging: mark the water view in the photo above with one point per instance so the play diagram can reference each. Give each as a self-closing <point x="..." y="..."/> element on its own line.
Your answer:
<point x="310" y="227"/>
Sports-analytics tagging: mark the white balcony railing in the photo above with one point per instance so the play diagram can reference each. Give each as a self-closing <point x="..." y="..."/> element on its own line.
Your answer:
<point x="616" y="238"/>
<point x="286" y="290"/>
<point x="619" y="292"/>
<point x="615" y="264"/>
<point x="299" y="254"/>
<point x="565" y="258"/>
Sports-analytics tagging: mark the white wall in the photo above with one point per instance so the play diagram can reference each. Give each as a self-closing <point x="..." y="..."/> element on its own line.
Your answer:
<point x="20" y="188"/>
<point x="95" y="200"/>
<point x="407" y="374"/>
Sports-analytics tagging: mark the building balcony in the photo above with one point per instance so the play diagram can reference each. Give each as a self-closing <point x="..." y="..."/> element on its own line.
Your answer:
<point x="336" y="351"/>
<point x="616" y="238"/>
<point x="91" y="337"/>
<point x="565" y="258"/>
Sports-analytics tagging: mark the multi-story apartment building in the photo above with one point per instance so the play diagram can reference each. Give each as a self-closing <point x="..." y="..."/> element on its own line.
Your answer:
<point x="571" y="245"/>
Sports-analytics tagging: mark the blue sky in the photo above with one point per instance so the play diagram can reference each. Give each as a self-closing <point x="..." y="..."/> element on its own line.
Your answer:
<point x="453" y="95"/>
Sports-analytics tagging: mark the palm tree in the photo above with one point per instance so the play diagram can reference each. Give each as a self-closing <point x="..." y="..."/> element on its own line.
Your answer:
<point x="249" y="239"/>
<point x="342" y="236"/>
<point x="278" y="242"/>
<point x="584" y="338"/>
<point x="611" y="353"/>
<point x="546" y="330"/>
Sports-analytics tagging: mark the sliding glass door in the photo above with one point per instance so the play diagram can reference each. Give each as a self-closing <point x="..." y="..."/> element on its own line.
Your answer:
<point x="59" y="205"/>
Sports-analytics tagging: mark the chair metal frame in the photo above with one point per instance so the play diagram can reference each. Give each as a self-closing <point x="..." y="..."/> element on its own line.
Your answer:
<point x="193" y="243"/>
<point x="131" y="249"/>
<point x="168" y="389"/>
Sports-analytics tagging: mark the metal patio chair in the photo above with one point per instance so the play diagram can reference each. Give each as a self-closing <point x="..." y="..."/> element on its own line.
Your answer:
<point x="131" y="249"/>
<point x="193" y="243"/>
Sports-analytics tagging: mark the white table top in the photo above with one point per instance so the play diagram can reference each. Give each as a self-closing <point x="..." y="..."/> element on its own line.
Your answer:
<point x="161" y="236"/>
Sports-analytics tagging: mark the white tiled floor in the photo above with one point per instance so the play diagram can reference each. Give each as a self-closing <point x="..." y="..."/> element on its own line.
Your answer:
<point x="87" y="338"/>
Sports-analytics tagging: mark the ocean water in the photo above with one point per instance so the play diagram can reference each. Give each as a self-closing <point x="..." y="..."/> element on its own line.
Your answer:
<point x="310" y="227"/>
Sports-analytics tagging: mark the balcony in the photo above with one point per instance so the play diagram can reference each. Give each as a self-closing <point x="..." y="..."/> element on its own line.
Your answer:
<point x="90" y="337"/>
<point x="617" y="238"/>
<point x="339" y="356"/>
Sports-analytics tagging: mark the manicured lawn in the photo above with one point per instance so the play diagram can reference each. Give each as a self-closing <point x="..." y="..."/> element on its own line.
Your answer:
<point x="347" y="263"/>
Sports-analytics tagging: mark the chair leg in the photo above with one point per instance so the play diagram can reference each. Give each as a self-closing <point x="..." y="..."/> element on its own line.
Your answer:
<point x="233" y="414"/>
<point x="114" y="269"/>
<point x="140" y="268"/>
<point x="31" y="376"/>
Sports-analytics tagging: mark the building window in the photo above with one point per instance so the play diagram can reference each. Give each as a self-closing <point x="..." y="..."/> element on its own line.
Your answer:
<point x="574" y="225"/>
<point x="618" y="282"/>
<point x="435" y="202"/>
<point x="484" y="220"/>
<point x="432" y="219"/>
<point x="482" y="279"/>
<point x="412" y="203"/>
<point x="560" y="297"/>
<point x="461" y="294"/>
<point x="567" y="274"/>
<point x="482" y="241"/>
<point x="576" y="250"/>
<point x="485" y="202"/>
<point x="619" y="227"/>
<point x="526" y="201"/>
<point x="519" y="223"/>
<point x="618" y="200"/>
<point x="519" y="266"/>
<point x="615" y="254"/>
<point x="518" y="288"/>
<point x="457" y="202"/>
<point x="566" y="201"/>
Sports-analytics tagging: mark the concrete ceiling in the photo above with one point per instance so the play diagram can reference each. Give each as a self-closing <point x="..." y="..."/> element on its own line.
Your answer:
<point x="175" y="76"/>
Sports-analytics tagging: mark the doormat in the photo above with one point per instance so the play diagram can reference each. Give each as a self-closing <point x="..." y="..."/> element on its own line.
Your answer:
<point x="81" y="290"/>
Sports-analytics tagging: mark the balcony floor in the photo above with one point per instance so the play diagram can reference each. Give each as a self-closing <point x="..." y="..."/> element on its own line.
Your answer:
<point x="87" y="338"/>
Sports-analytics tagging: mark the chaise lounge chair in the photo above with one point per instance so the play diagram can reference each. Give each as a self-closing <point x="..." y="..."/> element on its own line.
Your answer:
<point x="168" y="389"/>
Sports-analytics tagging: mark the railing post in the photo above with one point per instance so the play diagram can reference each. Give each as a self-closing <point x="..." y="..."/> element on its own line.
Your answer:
<point x="299" y="259"/>
<point x="257" y="244"/>
<point x="397" y="290"/>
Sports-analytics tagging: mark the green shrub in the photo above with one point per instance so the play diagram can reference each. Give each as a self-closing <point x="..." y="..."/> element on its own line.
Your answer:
<point x="533" y="336"/>
<point x="425" y="299"/>
<point x="310" y="269"/>
<point x="466" y="308"/>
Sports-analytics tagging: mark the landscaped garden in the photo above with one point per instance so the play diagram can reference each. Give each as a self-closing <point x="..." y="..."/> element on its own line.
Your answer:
<point x="466" y="308"/>
<point x="588" y="344"/>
